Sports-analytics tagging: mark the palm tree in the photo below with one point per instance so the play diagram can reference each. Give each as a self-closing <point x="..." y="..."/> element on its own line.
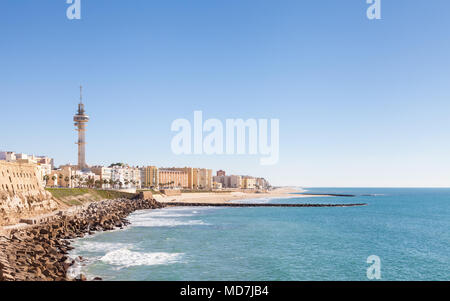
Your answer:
<point x="90" y="182"/>
<point x="78" y="178"/>
<point x="98" y="184"/>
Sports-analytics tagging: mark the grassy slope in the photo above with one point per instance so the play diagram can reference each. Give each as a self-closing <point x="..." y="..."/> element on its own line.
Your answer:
<point x="77" y="196"/>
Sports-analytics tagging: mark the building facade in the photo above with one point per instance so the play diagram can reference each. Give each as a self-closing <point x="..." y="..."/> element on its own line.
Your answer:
<point x="248" y="183"/>
<point x="17" y="177"/>
<point x="173" y="178"/>
<point x="105" y="175"/>
<point x="232" y="181"/>
<point x="125" y="177"/>
<point x="221" y="173"/>
<point x="150" y="177"/>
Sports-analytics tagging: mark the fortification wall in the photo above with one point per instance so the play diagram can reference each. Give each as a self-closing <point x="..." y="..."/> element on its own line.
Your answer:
<point x="21" y="193"/>
<point x="171" y="192"/>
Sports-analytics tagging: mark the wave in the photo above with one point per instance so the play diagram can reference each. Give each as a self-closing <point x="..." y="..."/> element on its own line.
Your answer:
<point x="164" y="214"/>
<point x="126" y="258"/>
<point x="163" y="222"/>
<point x="75" y="269"/>
<point x="167" y="217"/>
<point x="93" y="246"/>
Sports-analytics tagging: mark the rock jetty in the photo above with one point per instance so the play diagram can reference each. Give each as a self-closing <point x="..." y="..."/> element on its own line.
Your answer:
<point x="40" y="252"/>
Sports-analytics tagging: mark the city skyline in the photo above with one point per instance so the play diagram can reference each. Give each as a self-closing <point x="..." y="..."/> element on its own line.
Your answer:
<point x="360" y="103"/>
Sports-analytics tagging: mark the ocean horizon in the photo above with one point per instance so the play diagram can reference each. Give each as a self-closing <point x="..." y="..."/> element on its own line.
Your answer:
<point x="407" y="228"/>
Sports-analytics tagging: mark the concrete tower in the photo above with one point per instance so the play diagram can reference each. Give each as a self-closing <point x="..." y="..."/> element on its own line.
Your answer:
<point x="81" y="119"/>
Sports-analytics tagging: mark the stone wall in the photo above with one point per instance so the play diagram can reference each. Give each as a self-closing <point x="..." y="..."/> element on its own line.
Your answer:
<point x="171" y="192"/>
<point x="146" y="195"/>
<point x="21" y="193"/>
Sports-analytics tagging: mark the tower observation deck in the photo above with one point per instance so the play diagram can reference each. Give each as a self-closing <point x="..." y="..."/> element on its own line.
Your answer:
<point x="81" y="119"/>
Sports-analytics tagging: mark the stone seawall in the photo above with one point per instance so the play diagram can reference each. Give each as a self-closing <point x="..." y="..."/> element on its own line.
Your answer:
<point x="39" y="253"/>
<point x="21" y="193"/>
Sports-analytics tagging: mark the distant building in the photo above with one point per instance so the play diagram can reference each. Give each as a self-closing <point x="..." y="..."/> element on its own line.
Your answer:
<point x="150" y="177"/>
<point x="198" y="178"/>
<point x="63" y="177"/>
<point x="262" y="183"/>
<point x="173" y="178"/>
<point x="232" y="181"/>
<point x="235" y="181"/>
<point x="217" y="185"/>
<point x="221" y="173"/>
<point x="43" y="171"/>
<point x="125" y="177"/>
<point x="105" y="174"/>
<point x="25" y="158"/>
<point x="248" y="183"/>
<point x="8" y="156"/>
<point x="205" y="178"/>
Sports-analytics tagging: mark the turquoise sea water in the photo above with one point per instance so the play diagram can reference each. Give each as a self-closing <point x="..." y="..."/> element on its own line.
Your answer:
<point x="409" y="229"/>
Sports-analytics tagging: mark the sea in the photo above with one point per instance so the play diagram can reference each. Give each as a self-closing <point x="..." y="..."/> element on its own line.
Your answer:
<point x="406" y="230"/>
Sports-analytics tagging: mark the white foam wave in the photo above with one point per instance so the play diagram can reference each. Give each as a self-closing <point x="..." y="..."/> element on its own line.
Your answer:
<point x="74" y="270"/>
<point x="166" y="214"/>
<point x="127" y="258"/>
<point x="163" y="222"/>
<point x="167" y="217"/>
<point x="93" y="246"/>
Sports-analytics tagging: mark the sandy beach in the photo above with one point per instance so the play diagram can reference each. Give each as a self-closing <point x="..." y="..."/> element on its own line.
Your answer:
<point x="223" y="197"/>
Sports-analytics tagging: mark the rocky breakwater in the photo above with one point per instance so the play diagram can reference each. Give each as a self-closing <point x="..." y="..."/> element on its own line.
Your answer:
<point x="40" y="253"/>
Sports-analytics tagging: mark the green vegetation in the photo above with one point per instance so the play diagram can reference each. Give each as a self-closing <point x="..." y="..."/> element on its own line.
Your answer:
<point x="66" y="192"/>
<point x="119" y="164"/>
<point x="78" y="196"/>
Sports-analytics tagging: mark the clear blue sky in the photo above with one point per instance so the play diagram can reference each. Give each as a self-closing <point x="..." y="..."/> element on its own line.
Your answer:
<point x="360" y="103"/>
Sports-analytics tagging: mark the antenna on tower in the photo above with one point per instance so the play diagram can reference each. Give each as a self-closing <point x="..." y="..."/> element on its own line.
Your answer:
<point x="81" y="94"/>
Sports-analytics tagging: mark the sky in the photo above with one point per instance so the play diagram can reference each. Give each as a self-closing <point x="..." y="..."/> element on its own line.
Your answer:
<point x="361" y="103"/>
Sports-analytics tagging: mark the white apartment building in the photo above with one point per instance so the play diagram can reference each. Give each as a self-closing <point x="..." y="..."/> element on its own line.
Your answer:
<point x="126" y="177"/>
<point x="105" y="174"/>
